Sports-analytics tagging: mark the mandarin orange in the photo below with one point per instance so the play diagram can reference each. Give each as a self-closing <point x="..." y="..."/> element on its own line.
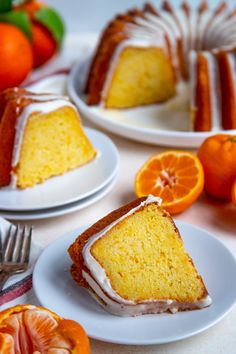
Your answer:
<point x="175" y="176"/>
<point x="44" y="46"/>
<point x="26" y="329"/>
<point x="218" y="156"/>
<point x="16" y="57"/>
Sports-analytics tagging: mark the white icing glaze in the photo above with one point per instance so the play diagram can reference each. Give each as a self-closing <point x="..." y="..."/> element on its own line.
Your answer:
<point x="182" y="23"/>
<point x="193" y="83"/>
<point x="204" y="21"/>
<point x="43" y="107"/>
<point x="193" y="22"/>
<point x="105" y="294"/>
<point x="213" y="75"/>
<point x="170" y="21"/>
<point x="45" y="97"/>
<point x="215" y="104"/>
<point x="156" y="24"/>
<point x="216" y="24"/>
<point x="149" y="307"/>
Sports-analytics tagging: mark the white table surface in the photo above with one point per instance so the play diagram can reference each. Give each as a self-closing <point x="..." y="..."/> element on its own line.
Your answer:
<point x="217" y="217"/>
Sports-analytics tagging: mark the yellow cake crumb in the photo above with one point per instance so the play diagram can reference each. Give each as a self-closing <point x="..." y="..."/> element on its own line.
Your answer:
<point x="53" y="143"/>
<point x="144" y="258"/>
<point x="152" y="81"/>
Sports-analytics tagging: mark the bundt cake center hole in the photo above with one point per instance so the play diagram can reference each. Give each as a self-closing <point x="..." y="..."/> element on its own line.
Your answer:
<point x="167" y="178"/>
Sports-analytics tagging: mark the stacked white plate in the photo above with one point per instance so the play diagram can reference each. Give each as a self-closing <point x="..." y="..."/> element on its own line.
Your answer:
<point x="72" y="191"/>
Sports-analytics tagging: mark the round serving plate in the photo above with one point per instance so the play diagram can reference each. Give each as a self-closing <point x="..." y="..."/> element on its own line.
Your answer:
<point x="63" y="296"/>
<point x="165" y="124"/>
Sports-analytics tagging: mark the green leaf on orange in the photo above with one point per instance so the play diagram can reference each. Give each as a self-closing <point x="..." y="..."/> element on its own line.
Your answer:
<point x="53" y="22"/>
<point x="19" y="19"/>
<point x="5" y="5"/>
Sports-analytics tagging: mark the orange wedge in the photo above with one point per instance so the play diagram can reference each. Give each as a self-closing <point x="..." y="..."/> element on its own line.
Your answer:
<point x="175" y="176"/>
<point x="233" y="193"/>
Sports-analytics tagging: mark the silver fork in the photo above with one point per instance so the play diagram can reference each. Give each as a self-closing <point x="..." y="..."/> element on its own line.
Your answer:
<point x="14" y="252"/>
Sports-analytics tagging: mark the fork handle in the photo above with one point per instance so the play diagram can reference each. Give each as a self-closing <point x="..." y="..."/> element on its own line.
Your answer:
<point x="3" y="278"/>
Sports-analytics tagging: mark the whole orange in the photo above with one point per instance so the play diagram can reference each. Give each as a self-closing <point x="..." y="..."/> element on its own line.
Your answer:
<point x="16" y="57"/>
<point x="218" y="157"/>
<point x="44" y="46"/>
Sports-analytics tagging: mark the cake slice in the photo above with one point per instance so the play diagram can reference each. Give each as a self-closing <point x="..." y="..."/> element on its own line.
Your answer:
<point x="41" y="136"/>
<point x="140" y="76"/>
<point x="133" y="262"/>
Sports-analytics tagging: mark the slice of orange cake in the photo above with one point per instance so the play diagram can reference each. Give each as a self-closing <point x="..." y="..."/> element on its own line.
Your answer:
<point x="133" y="262"/>
<point x="41" y="136"/>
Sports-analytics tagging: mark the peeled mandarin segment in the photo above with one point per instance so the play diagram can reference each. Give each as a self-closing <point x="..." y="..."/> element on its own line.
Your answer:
<point x="183" y="162"/>
<point x="149" y="181"/>
<point x="188" y="171"/>
<point x="155" y="165"/>
<point x="6" y="344"/>
<point x="166" y="161"/>
<point x="41" y="327"/>
<point x="156" y="191"/>
<point x="72" y="330"/>
<point x="148" y="174"/>
<point x="13" y="325"/>
<point x="146" y="189"/>
<point x="167" y="195"/>
<point x="188" y="182"/>
<point x="57" y="341"/>
<point x="172" y="161"/>
<point x="180" y="191"/>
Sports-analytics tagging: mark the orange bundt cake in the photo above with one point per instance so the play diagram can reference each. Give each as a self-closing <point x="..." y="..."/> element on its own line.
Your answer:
<point x="40" y="136"/>
<point x="144" y="54"/>
<point x="133" y="262"/>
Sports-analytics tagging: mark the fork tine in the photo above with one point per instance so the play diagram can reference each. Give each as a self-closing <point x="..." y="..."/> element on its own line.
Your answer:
<point x="9" y="244"/>
<point x="26" y="246"/>
<point x="19" y="246"/>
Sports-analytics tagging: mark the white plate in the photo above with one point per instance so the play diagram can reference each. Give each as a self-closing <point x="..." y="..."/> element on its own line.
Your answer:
<point x="71" y="187"/>
<point x="56" y="84"/>
<point x="164" y="124"/>
<point x="63" y="210"/>
<point x="56" y="290"/>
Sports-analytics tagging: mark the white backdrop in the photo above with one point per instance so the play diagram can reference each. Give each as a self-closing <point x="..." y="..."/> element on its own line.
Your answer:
<point x="91" y="15"/>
